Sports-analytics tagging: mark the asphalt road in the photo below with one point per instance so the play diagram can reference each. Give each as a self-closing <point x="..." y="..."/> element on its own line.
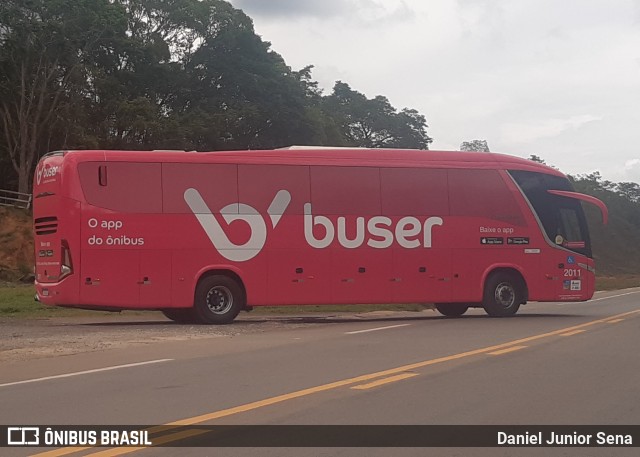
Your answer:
<point x="574" y="364"/>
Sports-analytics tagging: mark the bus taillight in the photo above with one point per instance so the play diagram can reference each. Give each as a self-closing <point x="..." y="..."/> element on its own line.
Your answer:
<point x="66" y="266"/>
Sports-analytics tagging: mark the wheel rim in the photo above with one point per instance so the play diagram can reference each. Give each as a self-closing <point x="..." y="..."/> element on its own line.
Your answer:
<point x="219" y="300"/>
<point x="505" y="295"/>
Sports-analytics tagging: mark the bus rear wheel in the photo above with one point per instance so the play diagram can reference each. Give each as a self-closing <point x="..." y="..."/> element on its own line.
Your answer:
<point x="503" y="294"/>
<point x="452" y="309"/>
<point x="218" y="300"/>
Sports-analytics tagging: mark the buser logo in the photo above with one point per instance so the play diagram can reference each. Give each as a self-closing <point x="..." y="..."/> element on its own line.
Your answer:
<point x="46" y="171"/>
<point x="378" y="232"/>
<point x="233" y="212"/>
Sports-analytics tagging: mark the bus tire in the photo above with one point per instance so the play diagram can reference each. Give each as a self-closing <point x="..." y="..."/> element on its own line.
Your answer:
<point x="218" y="300"/>
<point x="452" y="309"/>
<point x="180" y="315"/>
<point x="503" y="294"/>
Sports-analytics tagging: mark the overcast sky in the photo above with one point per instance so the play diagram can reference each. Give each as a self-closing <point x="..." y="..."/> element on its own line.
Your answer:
<point x="555" y="78"/>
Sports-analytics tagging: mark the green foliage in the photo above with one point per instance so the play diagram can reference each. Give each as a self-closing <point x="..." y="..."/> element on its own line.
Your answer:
<point x="49" y="50"/>
<point x="155" y="74"/>
<point x="616" y="246"/>
<point x="374" y="123"/>
<point x="16" y="301"/>
<point x="476" y="146"/>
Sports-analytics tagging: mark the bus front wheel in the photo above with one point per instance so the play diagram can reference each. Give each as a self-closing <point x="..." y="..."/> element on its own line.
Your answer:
<point x="218" y="300"/>
<point x="503" y="294"/>
<point x="452" y="309"/>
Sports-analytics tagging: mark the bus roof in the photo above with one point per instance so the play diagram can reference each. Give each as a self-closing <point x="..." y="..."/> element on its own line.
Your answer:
<point x="324" y="156"/>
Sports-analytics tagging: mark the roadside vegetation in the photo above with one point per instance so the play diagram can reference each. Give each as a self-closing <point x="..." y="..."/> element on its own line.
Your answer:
<point x="142" y="75"/>
<point x="616" y="248"/>
<point x="17" y="300"/>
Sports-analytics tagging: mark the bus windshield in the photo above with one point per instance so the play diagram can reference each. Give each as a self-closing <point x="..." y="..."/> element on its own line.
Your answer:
<point x="561" y="217"/>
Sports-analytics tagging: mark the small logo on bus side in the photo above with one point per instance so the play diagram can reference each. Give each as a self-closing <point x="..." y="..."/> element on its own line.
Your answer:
<point x="46" y="171"/>
<point x="233" y="212"/>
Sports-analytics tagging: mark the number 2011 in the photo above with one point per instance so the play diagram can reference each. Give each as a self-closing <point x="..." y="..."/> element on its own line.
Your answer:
<point x="571" y="272"/>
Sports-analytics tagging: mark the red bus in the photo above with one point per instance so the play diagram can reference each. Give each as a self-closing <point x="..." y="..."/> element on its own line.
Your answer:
<point x="202" y="236"/>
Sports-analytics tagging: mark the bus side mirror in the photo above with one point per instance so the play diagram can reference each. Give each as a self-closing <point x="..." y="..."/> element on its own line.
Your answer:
<point x="585" y="198"/>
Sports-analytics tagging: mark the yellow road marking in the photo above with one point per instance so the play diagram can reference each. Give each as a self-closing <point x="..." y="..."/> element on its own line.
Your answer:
<point x="61" y="451"/>
<point x="507" y="350"/>
<point x="614" y="321"/>
<point x="72" y="450"/>
<point x="575" y="332"/>
<point x="358" y="379"/>
<point x="383" y="381"/>
<point x="156" y="442"/>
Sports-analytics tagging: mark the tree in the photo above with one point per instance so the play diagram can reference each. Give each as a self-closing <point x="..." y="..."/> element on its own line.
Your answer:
<point x="475" y="146"/>
<point x="248" y="95"/>
<point x="616" y="245"/>
<point x="374" y="123"/>
<point x="176" y="74"/>
<point x="47" y="48"/>
<point x="629" y="190"/>
<point x="136" y="88"/>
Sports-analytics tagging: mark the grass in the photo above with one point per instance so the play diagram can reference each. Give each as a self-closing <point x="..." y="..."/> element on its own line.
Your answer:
<point x="16" y="300"/>
<point x="618" y="282"/>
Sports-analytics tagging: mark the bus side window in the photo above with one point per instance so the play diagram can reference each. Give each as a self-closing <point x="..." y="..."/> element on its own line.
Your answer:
<point x="569" y="225"/>
<point x="259" y="184"/>
<point x="482" y="193"/>
<point x="414" y="191"/>
<point x="216" y="183"/>
<point x="345" y="190"/>
<point x="131" y="187"/>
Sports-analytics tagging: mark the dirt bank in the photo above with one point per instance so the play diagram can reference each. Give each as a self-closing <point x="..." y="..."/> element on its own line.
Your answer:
<point x="16" y="244"/>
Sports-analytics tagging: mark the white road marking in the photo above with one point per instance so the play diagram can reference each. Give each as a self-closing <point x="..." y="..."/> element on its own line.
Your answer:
<point x="78" y="373"/>
<point x="376" y="329"/>
<point x="598" y="299"/>
<point x="615" y="296"/>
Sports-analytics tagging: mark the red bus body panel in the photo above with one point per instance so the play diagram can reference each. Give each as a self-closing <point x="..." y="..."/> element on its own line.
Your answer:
<point x="296" y="227"/>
